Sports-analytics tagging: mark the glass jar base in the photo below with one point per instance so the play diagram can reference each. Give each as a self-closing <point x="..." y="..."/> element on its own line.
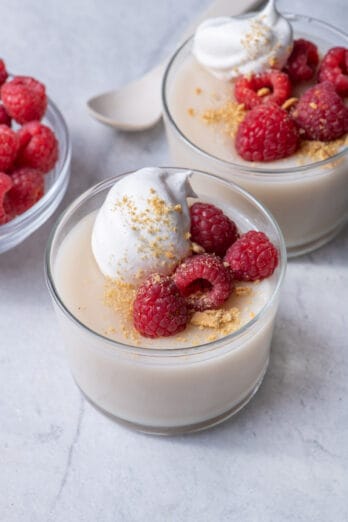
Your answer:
<point x="306" y="248"/>
<point x="181" y="430"/>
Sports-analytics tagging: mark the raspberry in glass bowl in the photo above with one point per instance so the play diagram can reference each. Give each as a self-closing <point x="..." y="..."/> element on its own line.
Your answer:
<point x="174" y="339"/>
<point x="243" y="130"/>
<point x="35" y="176"/>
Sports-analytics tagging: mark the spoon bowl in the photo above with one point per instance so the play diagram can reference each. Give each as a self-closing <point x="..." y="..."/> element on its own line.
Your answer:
<point x="137" y="105"/>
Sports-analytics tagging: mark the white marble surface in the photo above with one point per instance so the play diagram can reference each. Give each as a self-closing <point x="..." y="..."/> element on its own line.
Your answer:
<point x="285" y="456"/>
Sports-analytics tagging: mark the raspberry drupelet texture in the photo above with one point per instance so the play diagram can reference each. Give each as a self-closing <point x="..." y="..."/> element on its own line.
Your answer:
<point x="248" y="89"/>
<point x="252" y="257"/>
<point x="24" y="99"/>
<point x="8" y="147"/>
<point x="267" y="133"/>
<point x="159" y="310"/>
<point x="321" y="113"/>
<point x="303" y="61"/>
<point x="211" y="229"/>
<point x="207" y="273"/>
<point x="27" y="189"/>
<point x="38" y="147"/>
<point x="5" y="186"/>
<point x="3" y="72"/>
<point x="334" y="68"/>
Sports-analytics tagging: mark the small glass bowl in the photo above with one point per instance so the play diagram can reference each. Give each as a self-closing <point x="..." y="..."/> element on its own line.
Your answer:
<point x="56" y="183"/>
<point x="169" y="390"/>
<point x="309" y="202"/>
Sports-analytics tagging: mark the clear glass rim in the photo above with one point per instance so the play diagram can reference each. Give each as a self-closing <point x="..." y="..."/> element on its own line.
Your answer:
<point x="261" y="172"/>
<point x="27" y="218"/>
<point x="161" y="352"/>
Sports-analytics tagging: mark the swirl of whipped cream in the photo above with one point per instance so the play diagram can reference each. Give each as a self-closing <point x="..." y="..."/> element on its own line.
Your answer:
<point x="143" y="225"/>
<point x="228" y="47"/>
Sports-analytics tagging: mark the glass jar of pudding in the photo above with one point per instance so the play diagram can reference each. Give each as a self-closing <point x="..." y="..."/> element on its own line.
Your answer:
<point x="169" y="385"/>
<point x="307" y="192"/>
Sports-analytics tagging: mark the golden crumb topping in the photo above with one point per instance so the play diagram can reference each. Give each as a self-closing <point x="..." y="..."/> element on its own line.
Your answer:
<point x="230" y="116"/>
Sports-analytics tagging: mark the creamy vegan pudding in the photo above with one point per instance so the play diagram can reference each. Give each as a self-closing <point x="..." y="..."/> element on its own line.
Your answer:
<point x="188" y="381"/>
<point x="308" y="191"/>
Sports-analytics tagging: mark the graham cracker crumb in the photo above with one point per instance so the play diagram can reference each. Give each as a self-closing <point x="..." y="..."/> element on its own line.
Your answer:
<point x="230" y="116"/>
<point x="320" y="150"/>
<point x="197" y="249"/>
<point x="198" y="91"/>
<point x="243" y="290"/>
<point x="313" y="105"/>
<point x="225" y="321"/>
<point x="272" y="62"/>
<point x="119" y="296"/>
<point x="290" y="102"/>
<point x="191" y="111"/>
<point x="257" y="38"/>
<point x="263" y="91"/>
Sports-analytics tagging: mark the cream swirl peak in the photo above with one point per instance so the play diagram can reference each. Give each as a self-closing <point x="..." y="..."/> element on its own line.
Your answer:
<point x="229" y="47"/>
<point x="143" y="225"/>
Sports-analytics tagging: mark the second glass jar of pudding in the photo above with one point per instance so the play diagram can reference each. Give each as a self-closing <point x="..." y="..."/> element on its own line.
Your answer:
<point x="307" y="196"/>
<point x="172" y="384"/>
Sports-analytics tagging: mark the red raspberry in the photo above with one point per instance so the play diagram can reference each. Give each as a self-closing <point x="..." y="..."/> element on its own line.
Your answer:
<point x="246" y="88"/>
<point x="3" y="72"/>
<point x="303" y="60"/>
<point x="24" y="99"/>
<point x="208" y="273"/>
<point x="211" y="229"/>
<point x="334" y="68"/>
<point x="27" y="189"/>
<point x="5" y="186"/>
<point x="321" y="113"/>
<point x="267" y="133"/>
<point x="159" y="310"/>
<point x="4" y="117"/>
<point x="8" y="147"/>
<point x="38" y="147"/>
<point x="252" y="257"/>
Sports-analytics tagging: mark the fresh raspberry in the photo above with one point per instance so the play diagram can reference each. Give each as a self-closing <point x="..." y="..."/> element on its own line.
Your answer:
<point x="4" y="117"/>
<point x="159" y="310"/>
<point x="8" y="147"/>
<point x="334" y="68"/>
<point x="38" y="147"/>
<point x="246" y="88"/>
<point x="267" y="133"/>
<point x="211" y="229"/>
<point x="321" y="113"/>
<point x="5" y="186"/>
<point x="27" y="189"/>
<point x="207" y="273"/>
<point x="252" y="257"/>
<point x="24" y="99"/>
<point x="303" y="60"/>
<point x="3" y="72"/>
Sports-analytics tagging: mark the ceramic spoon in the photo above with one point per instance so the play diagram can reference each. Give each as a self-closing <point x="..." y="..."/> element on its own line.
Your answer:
<point x="137" y="106"/>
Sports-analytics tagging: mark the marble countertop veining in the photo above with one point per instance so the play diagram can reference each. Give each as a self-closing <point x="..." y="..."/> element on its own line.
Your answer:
<point x="285" y="456"/>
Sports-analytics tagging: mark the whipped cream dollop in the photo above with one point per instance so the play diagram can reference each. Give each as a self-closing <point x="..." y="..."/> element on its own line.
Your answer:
<point x="143" y="225"/>
<point x="229" y="47"/>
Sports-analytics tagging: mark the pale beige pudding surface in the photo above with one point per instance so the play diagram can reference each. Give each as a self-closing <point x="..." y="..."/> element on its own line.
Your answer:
<point x="86" y="293"/>
<point x="155" y="390"/>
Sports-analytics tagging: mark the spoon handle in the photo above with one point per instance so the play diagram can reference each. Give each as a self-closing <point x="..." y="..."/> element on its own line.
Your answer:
<point x="222" y="8"/>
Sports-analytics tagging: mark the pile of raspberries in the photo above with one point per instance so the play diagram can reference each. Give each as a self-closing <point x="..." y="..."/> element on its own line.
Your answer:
<point x="204" y="281"/>
<point x="28" y="151"/>
<point x="275" y="123"/>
